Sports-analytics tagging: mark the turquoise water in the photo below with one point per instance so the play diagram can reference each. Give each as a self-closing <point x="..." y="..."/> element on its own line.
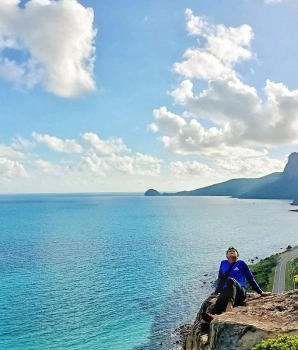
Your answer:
<point x="120" y="272"/>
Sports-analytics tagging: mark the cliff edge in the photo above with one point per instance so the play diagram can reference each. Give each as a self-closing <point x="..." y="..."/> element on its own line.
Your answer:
<point x="246" y="326"/>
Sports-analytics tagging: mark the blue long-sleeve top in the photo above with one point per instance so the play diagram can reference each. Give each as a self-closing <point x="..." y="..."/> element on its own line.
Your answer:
<point x="240" y="272"/>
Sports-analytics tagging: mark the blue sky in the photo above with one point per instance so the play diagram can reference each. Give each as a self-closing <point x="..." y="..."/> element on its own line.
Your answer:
<point x="128" y="95"/>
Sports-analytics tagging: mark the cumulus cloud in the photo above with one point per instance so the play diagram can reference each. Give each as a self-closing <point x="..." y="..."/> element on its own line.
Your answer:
<point x="183" y="92"/>
<point x="223" y="48"/>
<point x="56" y="144"/>
<point x="95" y="165"/>
<point x="10" y="169"/>
<point x="153" y="170"/>
<point x="10" y="153"/>
<point x="61" y="51"/>
<point x="152" y="127"/>
<point x="249" y="166"/>
<point x="192" y="168"/>
<point x="105" y="147"/>
<point x="145" y="159"/>
<point x="141" y="164"/>
<point x="52" y="169"/>
<point x="20" y="143"/>
<point x="240" y="117"/>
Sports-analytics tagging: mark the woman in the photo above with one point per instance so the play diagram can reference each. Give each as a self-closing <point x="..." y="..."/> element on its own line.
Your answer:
<point x="231" y="284"/>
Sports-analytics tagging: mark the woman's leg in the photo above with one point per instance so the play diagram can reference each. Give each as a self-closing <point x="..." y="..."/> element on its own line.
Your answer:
<point x="232" y="296"/>
<point x="236" y="294"/>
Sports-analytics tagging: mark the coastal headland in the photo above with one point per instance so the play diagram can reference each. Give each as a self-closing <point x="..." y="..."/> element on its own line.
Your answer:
<point x="273" y="186"/>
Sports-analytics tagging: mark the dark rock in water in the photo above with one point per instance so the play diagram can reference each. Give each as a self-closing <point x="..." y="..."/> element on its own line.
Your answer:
<point x="152" y="192"/>
<point x="183" y="332"/>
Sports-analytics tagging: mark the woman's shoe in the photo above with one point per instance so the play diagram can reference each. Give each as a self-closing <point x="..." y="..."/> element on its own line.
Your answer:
<point x="207" y="317"/>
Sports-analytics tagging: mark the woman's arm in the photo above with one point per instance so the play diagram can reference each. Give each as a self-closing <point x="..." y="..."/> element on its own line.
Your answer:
<point x="251" y="280"/>
<point x="218" y="279"/>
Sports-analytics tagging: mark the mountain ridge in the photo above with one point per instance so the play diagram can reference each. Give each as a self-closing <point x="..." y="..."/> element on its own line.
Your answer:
<point x="278" y="185"/>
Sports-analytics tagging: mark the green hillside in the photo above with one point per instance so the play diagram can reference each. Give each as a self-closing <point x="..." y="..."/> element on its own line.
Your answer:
<point x="233" y="188"/>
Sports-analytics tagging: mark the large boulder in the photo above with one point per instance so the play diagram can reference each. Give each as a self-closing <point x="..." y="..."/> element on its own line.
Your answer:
<point x="246" y="326"/>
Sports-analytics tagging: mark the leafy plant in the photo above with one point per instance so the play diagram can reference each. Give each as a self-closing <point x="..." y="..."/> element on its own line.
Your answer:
<point x="263" y="270"/>
<point x="282" y="342"/>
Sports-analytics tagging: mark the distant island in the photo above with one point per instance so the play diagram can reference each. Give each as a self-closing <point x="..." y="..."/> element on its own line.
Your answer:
<point x="277" y="185"/>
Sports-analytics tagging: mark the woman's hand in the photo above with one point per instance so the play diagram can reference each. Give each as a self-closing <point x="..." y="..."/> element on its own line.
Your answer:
<point x="265" y="294"/>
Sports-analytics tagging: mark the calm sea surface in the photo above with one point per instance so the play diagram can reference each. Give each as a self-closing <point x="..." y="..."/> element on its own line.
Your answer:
<point x="120" y="272"/>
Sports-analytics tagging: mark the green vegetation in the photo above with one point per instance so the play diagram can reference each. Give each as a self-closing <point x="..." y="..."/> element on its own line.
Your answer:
<point x="234" y="187"/>
<point x="264" y="272"/>
<point x="283" y="342"/>
<point x="291" y="271"/>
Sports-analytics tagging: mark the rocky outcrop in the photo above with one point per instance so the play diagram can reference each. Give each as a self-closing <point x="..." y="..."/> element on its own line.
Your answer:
<point x="152" y="192"/>
<point x="285" y="187"/>
<point x="290" y="172"/>
<point x="246" y="326"/>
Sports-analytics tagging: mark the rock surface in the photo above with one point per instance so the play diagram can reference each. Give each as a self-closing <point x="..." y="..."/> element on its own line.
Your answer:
<point x="246" y="326"/>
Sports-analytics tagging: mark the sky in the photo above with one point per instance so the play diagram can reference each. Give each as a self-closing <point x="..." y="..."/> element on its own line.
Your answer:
<point x="126" y="95"/>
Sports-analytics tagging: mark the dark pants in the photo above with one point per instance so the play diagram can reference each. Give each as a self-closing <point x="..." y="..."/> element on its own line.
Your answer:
<point x="234" y="293"/>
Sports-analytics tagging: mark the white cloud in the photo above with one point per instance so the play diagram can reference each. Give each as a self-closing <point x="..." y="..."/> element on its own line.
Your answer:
<point x="20" y="143"/>
<point x="239" y="116"/>
<point x="145" y="159"/>
<point x="51" y="169"/>
<point x="10" y="153"/>
<point x="170" y="121"/>
<point x="152" y="127"/>
<point x="201" y="65"/>
<point x="223" y="48"/>
<point x="192" y="168"/>
<point x="183" y="92"/>
<point x="94" y="164"/>
<point x="272" y="1"/>
<point x="249" y="167"/>
<point x="59" y="37"/>
<point x="56" y="144"/>
<point x="10" y="70"/>
<point x="10" y="170"/>
<point x="154" y="170"/>
<point x="141" y="164"/>
<point x="105" y="147"/>
<point x="185" y="137"/>
<point x="123" y="164"/>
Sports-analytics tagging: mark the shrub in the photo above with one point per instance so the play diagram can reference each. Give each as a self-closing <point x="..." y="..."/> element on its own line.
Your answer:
<point x="283" y="342"/>
<point x="263" y="270"/>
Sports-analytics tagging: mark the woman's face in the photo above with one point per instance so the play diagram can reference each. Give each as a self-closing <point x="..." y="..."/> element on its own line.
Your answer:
<point x="232" y="254"/>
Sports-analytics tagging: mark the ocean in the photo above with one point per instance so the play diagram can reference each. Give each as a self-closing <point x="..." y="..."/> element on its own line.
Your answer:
<point x="121" y="271"/>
